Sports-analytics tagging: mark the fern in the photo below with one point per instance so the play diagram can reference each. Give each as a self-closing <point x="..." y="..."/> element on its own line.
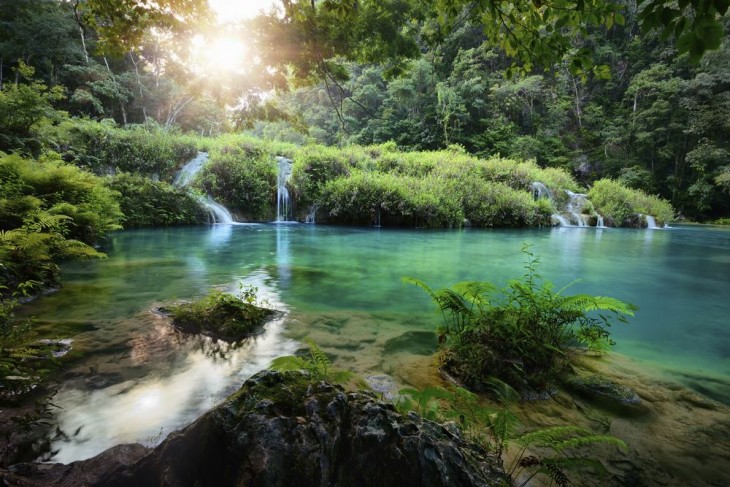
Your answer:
<point x="317" y="365"/>
<point x="521" y="336"/>
<point x="561" y="440"/>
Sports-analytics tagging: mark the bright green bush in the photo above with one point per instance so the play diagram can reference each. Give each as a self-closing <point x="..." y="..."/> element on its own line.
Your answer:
<point x="242" y="177"/>
<point x="366" y="198"/>
<point x="103" y="147"/>
<point x="622" y="205"/>
<point x="147" y="203"/>
<point x="491" y="204"/>
<point x="314" y="166"/>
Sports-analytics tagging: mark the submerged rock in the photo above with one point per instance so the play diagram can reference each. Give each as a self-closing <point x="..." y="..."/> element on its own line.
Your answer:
<point x="280" y="429"/>
<point x="614" y="396"/>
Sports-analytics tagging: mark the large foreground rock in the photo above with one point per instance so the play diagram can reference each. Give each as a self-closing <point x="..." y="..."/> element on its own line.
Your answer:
<point x="280" y="429"/>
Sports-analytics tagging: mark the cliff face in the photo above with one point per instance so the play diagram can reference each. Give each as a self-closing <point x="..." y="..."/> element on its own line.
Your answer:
<point x="280" y="429"/>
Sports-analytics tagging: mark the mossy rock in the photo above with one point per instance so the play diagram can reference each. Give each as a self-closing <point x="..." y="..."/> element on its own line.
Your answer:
<point x="608" y="394"/>
<point x="219" y="315"/>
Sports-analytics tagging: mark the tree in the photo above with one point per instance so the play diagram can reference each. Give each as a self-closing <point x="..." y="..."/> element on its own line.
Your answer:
<point x="22" y="106"/>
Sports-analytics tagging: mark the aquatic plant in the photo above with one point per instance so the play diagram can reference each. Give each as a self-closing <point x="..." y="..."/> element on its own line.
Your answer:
<point x="521" y="336"/>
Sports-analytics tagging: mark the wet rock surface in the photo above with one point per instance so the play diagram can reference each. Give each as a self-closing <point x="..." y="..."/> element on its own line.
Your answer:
<point x="281" y="429"/>
<point x="607" y="393"/>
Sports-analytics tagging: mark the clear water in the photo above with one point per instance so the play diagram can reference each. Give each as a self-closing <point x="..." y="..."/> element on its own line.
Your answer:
<point x="135" y="380"/>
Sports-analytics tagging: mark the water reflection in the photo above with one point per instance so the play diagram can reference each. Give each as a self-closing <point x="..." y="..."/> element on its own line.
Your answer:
<point x="186" y="376"/>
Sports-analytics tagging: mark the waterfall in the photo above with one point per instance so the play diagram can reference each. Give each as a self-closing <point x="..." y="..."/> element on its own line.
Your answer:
<point x="283" y="203"/>
<point x="576" y="202"/>
<point x="539" y="191"/>
<point x="573" y="214"/>
<point x="561" y="220"/>
<point x="217" y="212"/>
<point x="186" y="175"/>
<point x="650" y="221"/>
<point x="311" y="214"/>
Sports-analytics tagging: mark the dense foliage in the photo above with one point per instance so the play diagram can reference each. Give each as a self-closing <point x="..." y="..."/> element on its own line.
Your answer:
<point x="147" y="203"/>
<point x="625" y="205"/>
<point x="647" y="115"/>
<point x="658" y="124"/>
<point x="49" y="210"/>
<point x="103" y="147"/>
<point x="521" y="337"/>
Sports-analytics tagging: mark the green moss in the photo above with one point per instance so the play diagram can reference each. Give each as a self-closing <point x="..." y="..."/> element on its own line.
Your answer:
<point x="220" y="315"/>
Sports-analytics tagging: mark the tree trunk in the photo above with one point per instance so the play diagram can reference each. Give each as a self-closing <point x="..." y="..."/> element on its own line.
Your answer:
<point x="81" y="31"/>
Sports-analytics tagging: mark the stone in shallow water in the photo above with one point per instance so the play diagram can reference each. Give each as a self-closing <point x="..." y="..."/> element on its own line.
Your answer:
<point x="607" y="393"/>
<point x="416" y="342"/>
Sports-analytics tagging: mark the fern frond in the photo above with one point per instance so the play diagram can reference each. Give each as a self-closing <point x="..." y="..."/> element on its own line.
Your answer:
<point x="320" y="359"/>
<point x="590" y="439"/>
<point x="475" y="291"/>
<point x="586" y="302"/>
<point x="419" y="283"/>
<point x="288" y="363"/>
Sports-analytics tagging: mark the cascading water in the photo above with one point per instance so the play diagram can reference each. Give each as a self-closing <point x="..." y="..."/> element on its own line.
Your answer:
<point x="576" y="203"/>
<point x="217" y="212"/>
<point x="311" y="215"/>
<point x="573" y="213"/>
<point x="283" y="202"/>
<point x="650" y="222"/>
<point x="539" y="190"/>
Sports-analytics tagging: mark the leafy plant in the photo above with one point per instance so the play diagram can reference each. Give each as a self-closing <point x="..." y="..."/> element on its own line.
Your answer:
<point x="521" y="336"/>
<point x="562" y="443"/>
<point x="317" y="365"/>
<point x="492" y="427"/>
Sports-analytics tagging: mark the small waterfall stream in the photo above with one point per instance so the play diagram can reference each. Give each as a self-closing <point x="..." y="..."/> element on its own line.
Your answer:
<point x="283" y="202"/>
<point x="650" y="222"/>
<point x="573" y="214"/>
<point x="185" y="176"/>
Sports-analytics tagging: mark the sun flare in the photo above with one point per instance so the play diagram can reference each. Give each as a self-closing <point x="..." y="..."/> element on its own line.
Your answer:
<point x="220" y="54"/>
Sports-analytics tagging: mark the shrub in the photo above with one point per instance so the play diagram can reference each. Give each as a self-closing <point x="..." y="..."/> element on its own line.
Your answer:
<point x="522" y="336"/>
<point x="103" y="147"/>
<point x="313" y="166"/>
<point x="622" y="205"/>
<point x="369" y="198"/>
<point x="242" y="179"/>
<point x="147" y="203"/>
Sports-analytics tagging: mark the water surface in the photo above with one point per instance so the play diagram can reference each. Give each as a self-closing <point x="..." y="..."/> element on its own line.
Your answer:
<point x="137" y="380"/>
